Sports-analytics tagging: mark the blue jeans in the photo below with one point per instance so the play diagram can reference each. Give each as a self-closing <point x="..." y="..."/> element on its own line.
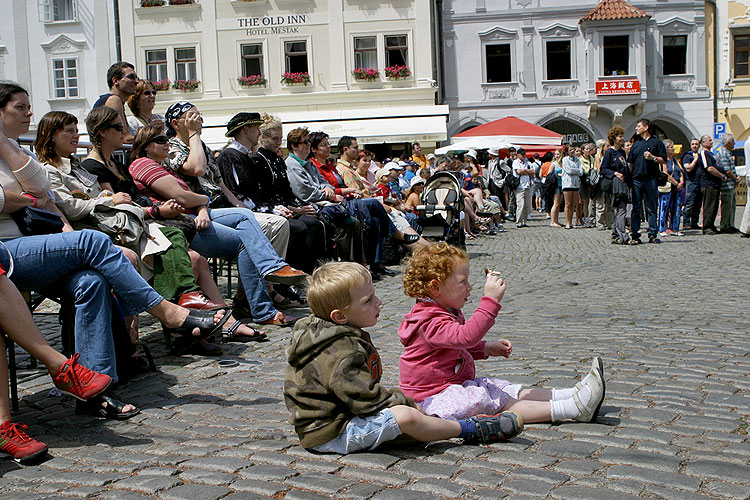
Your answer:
<point x="670" y="207"/>
<point x="82" y="266"/>
<point x="370" y="212"/>
<point x="234" y="233"/>
<point x="644" y="189"/>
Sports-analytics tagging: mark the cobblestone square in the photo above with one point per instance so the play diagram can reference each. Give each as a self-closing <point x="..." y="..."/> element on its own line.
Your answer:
<point x="670" y="320"/>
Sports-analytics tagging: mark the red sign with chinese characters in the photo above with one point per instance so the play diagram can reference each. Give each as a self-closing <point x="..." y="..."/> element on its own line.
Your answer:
<point x="618" y="87"/>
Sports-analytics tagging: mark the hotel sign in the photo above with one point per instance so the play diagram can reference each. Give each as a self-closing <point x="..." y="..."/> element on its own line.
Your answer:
<point x="275" y="25"/>
<point x="618" y="87"/>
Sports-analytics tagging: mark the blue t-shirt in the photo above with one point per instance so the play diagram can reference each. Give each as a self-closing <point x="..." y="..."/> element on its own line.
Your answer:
<point x="409" y="175"/>
<point x="642" y="167"/>
<point x="694" y="175"/>
<point x="708" y="179"/>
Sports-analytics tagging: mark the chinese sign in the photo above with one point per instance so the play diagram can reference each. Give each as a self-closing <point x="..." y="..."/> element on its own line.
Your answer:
<point x="618" y="87"/>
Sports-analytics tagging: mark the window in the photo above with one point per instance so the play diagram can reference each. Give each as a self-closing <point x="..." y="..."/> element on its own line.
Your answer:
<point x="185" y="65"/>
<point x="58" y="10"/>
<point x="366" y="52"/>
<point x="558" y="60"/>
<point x="616" y="55"/>
<point x="252" y="59"/>
<point x="497" y="59"/>
<point x="295" y="55"/>
<point x="741" y="52"/>
<point x="675" y="55"/>
<point x="65" y="78"/>
<point x="156" y="65"/>
<point x="396" y="50"/>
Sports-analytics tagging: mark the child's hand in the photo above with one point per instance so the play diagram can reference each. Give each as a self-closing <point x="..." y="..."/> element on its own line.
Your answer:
<point x="494" y="287"/>
<point x="502" y="347"/>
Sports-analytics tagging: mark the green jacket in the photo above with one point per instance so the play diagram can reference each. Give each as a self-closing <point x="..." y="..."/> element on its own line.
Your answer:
<point x="333" y="375"/>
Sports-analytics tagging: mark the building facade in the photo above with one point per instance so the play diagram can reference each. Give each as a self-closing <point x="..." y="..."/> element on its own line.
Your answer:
<point x="346" y="67"/>
<point x="733" y="65"/>
<point x="580" y="67"/>
<point x="59" y="50"/>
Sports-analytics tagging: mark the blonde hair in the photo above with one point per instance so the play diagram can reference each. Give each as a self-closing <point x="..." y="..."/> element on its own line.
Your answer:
<point x="270" y="123"/>
<point x="329" y="286"/>
<point x="428" y="263"/>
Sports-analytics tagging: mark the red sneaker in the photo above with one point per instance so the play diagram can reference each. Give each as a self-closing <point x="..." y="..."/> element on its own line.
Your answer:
<point x="80" y="382"/>
<point x="14" y="442"/>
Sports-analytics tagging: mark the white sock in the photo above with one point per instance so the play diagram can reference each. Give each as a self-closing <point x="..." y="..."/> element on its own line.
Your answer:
<point x="558" y="394"/>
<point x="565" y="409"/>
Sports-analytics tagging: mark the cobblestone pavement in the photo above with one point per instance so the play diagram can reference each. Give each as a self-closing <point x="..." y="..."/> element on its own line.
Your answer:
<point x="671" y="322"/>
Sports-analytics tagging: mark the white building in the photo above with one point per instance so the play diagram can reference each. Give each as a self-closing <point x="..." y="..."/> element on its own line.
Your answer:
<point x="216" y="42"/>
<point x="578" y="67"/>
<point x="59" y="50"/>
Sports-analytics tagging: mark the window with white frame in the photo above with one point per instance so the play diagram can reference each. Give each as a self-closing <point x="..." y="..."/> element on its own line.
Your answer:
<point x="558" y="60"/>
<point x="366" y="52"/>
<point x="156" y="65"/>
<point x="616" y="51"/>
<point x="396" y="50"/>
<point x="497" y="62"/>
<point x="741" y="56"/>
<point x="58" y="10"/>
<point x="252" y="59"/>
<point x="295" y="56"/>
<point x="65" y="78"/>
<point x="674" y="54"/>
<point x="185" y="64"/>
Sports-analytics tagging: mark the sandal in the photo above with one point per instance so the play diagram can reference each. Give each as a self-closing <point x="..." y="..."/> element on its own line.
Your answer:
<point x="203" y="321"/>
<point x="112" y="410"/>
<point x="281" y="302"/>
<point x="228" y="334"/>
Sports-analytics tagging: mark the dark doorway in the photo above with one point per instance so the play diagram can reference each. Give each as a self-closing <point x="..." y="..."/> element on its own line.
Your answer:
<point x="573" y="134"/>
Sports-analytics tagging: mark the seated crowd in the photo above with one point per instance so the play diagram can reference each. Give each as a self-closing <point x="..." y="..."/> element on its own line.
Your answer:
<point x="135" y="238"/>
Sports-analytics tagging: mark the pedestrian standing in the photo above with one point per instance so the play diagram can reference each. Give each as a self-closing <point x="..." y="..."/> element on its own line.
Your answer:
<point x="587" y="190"/>
<point x="694" y="196"/>
<point x="615" y="168"/>
<point x="525" y="173"/>
<point x="556" y="171"/>
<point x="645" y="158"/>
<point x="571" y="183"/>
<point x="728" y="200"/>
<point x="711" y="175"/>
<point x="604" y="214"/>
<point x="670" y="199"/>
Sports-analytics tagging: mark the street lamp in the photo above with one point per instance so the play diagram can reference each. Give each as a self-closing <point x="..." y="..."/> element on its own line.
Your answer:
<point x="726" y="97"/>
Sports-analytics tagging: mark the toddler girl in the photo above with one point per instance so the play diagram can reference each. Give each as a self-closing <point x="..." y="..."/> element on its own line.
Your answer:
<point x="440" y="346"/>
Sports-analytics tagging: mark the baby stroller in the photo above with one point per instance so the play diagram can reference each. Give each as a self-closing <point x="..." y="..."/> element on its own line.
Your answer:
<point x="441" y="208"/>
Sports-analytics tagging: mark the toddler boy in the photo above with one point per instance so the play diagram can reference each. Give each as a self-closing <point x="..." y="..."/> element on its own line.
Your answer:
<point x="332" y="382"/>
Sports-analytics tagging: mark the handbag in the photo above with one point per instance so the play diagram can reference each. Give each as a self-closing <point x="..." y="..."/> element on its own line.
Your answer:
<point x="594" y="177"/>
<point x="511" y="181"/>
<point x="124" y="224"/>
<point x="31" y="221"/>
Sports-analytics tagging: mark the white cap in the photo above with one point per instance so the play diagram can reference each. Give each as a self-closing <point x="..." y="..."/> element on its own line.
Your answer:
<point x="381" y="172"/>
<point x="430" y="156"/>
<point x="472" y="153"/>
<point x="494" y="151"/>
<point x="392" y="165"/>
<point x="416" y="180"/>
<point x="402" y="164"/>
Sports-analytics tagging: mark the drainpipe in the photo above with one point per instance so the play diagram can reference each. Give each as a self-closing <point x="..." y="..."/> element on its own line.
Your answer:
<point x="437" y="52"/>
<point x="716" y="55"/>
<point x="118" y="43"/>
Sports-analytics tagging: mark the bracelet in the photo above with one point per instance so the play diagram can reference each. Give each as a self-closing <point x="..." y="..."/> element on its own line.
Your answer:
<point x="157" y="210"/>
<point x="150" y="212"/>
<point x="33" y="199"/>
<point x="191" y="135"/>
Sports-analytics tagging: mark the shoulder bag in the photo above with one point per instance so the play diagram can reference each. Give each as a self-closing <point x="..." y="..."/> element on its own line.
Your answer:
<point x="31" y="221"/>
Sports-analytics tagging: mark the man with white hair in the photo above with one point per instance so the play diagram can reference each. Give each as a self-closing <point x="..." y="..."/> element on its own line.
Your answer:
<point x="727" y="190"/>
<point x="711" y="175"/>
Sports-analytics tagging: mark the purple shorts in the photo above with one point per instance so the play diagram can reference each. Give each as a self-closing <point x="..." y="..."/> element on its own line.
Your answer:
<point x="473" y="397"/>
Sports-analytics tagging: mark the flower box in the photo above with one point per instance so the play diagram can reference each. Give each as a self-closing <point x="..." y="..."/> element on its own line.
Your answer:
<point x="161" y="85"/>
<point x="153" y="3"/>
<point x="366" y="74"/>
<point x="252" y="81"/>
<point x="397" y="72"/>
<point x="181" y="2"/>
<point x="186" y="85"/>
<point x="295" y="78"/>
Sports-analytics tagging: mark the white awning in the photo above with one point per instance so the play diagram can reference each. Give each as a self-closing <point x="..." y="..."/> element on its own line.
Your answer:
<point x="376" y="126"/>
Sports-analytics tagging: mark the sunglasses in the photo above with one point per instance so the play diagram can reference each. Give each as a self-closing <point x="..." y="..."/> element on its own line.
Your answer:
<point x="149" y="92"/>
<point x="160" y="139"/>
<point x="131" y="76"/>
<point x="117" y="126"/>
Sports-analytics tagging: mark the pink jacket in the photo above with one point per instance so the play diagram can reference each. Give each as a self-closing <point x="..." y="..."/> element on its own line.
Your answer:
<point x="440" y="346"/>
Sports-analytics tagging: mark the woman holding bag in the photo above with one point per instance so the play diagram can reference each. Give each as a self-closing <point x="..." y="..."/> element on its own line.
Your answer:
<point x="670" y="194"/>
<point x="83" y="266"/>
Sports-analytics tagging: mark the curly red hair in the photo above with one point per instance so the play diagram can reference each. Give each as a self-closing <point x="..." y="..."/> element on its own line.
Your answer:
<point x="429" y="263"/>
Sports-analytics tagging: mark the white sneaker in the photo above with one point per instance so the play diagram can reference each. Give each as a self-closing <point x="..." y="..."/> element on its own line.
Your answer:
<point x="589" y="411"/>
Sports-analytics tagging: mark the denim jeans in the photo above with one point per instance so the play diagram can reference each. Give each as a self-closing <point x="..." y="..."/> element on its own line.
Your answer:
<point x="82" y="266"/>
<point x="364" y="433"/>
<point x="370" y="211"/>
<point x="644" y="189"/>
<point x="234" y="233"/>
<point x="693" y="204"/>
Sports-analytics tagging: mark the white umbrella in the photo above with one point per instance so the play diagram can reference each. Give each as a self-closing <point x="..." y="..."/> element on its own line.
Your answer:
<point x="473" y="143"/>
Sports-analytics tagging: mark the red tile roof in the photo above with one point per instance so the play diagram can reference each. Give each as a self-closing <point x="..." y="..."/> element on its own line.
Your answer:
<point x="609" y="10"/>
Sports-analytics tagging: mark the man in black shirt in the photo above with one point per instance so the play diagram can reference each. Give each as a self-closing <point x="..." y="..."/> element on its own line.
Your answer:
<point x="694" y="198"/>
<point x="646" y="157"/>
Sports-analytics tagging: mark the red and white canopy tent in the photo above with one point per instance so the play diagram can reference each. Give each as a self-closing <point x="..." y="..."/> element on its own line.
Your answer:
<point x="505" y="132"/>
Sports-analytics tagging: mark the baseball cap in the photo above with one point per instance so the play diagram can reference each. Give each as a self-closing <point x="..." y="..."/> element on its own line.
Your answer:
<point x="381" y="172"/>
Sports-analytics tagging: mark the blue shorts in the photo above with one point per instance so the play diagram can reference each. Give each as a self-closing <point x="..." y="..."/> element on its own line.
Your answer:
<point x="364" y="434"/>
